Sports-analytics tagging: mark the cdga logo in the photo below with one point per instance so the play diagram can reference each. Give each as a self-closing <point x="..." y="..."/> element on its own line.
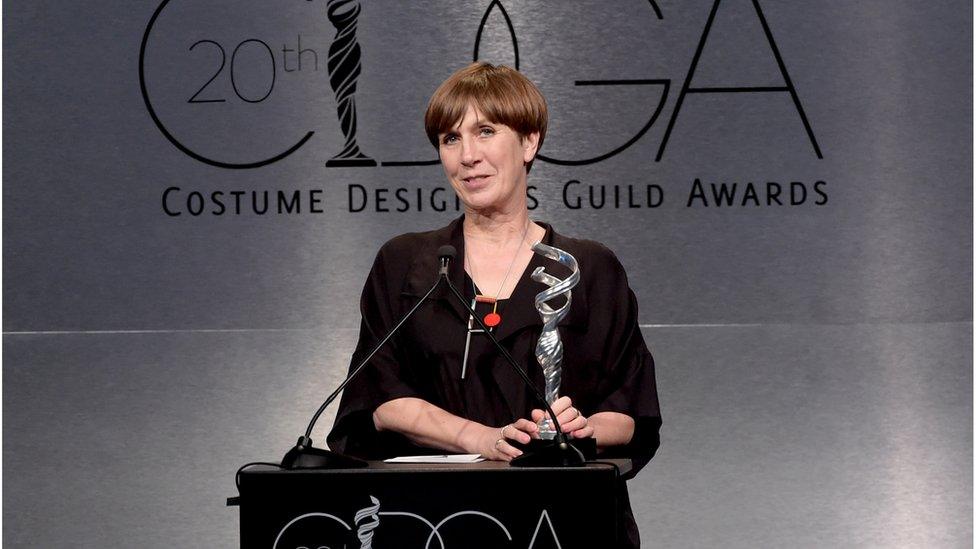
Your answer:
<point x="253" y="69"/>
<point x="319" y="530"/>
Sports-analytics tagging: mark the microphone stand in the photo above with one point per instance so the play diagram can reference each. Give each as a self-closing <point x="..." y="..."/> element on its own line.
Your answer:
<point x="559" y="452"/>
<point x="303" y="455"/>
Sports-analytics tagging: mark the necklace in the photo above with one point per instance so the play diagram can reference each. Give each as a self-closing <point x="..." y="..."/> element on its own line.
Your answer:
<point x="493" y="318"/>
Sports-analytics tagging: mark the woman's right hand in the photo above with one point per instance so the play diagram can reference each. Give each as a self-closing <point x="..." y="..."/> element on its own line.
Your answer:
<point x="494" y="442"/>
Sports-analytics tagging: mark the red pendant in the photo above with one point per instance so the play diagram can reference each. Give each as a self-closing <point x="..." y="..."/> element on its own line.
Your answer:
<point x="492" y="319"/>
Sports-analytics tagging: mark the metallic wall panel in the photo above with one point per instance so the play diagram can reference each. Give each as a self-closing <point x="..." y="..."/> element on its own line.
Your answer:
<point x="812" y="436"/>
<point x="821" y="396"/>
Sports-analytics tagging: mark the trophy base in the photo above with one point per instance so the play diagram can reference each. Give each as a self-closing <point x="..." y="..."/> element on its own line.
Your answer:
<point x="546" y="453"/>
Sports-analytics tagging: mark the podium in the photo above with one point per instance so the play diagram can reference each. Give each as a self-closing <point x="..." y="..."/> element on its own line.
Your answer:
<point x="432" y="506"/>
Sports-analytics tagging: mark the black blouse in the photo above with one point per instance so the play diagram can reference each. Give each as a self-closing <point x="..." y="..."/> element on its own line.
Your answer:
<point x="606" y="364"/>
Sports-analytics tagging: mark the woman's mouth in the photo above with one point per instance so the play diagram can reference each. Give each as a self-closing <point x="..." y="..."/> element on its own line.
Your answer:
<point x="475" y="180"/>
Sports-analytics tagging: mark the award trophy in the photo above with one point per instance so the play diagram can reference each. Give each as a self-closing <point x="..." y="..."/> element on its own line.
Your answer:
<point x="549" y="349"/>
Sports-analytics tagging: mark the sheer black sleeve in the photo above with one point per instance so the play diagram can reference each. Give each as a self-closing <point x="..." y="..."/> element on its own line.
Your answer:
<point x="386" y="377"/>
<point x="630" y="387"/>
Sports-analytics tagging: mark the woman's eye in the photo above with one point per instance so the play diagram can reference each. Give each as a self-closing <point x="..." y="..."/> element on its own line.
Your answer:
<point x="450" y="138"/>
<point x="487" y="131"/>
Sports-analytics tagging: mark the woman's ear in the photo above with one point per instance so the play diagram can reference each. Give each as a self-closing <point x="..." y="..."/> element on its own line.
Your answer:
<point x="530" y="145"/>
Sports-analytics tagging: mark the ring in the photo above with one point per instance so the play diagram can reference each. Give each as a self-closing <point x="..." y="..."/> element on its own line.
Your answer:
<point x="503" y="430"/>
<point x="498" y="442"/>
<point x="578" y="413"/>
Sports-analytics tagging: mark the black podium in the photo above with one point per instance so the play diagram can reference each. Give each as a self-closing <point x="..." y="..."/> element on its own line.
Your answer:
<point x="424" y="506"/>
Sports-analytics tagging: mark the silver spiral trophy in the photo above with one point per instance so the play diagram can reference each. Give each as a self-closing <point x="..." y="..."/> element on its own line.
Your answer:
<point x="549" y="349"/>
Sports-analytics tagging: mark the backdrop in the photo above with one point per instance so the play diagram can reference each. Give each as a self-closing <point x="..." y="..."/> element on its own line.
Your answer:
<point x="194" y="192"/>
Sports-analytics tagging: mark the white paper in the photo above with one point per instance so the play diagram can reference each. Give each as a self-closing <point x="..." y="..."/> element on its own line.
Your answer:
<point x="452" y="458"/>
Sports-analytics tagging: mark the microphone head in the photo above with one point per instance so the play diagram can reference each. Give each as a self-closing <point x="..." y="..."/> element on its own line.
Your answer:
<point x="447" y="251"/>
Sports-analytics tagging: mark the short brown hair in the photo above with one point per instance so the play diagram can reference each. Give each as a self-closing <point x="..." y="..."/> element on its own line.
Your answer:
<point x="501" y="93"/>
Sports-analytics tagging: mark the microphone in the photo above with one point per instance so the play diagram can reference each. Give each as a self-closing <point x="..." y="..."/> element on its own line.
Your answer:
<point x="558" y="453"/>
<point x="303" y="455"/>
<point x="446" y="254"/>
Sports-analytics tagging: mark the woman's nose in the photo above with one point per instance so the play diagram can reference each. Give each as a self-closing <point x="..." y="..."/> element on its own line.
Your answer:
<point x="469" y="152"/>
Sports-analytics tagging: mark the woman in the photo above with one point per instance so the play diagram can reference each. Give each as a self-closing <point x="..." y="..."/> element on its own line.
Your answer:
<point x="440" y="386"/>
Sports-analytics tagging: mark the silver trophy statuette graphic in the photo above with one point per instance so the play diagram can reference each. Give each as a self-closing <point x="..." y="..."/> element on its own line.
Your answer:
<point x="367" y="519"/>
<point x="549" y="349"/>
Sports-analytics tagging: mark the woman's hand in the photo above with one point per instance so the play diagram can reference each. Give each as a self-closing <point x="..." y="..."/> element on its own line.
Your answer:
<point x="494" y="443"/>
<point x="571" y="419"/>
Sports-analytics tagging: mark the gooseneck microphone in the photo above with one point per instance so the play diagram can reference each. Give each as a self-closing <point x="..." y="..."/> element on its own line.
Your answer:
<point x="560" y="452"/>
<point x="446" y="254"/>
<point x="303" y="455"/>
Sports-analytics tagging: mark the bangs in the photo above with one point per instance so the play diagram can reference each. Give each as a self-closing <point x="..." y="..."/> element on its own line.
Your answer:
<point x="501" y="94"/>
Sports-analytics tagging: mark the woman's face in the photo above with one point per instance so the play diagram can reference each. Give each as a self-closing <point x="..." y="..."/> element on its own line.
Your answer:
<point x="485" y="162"/>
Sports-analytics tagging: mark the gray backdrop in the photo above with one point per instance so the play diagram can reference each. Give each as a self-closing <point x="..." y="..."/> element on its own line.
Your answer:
<point x="814" y="350"/>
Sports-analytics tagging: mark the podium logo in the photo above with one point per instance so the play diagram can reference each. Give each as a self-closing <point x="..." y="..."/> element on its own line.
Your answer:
<point x="328" y="531"/>
<point x="252" y="60"/>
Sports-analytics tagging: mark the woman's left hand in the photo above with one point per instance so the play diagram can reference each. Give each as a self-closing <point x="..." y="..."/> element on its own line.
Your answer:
<point x="570" y="418"/>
